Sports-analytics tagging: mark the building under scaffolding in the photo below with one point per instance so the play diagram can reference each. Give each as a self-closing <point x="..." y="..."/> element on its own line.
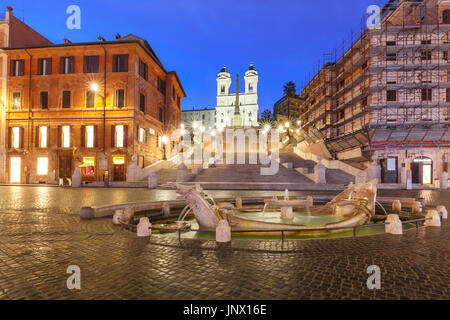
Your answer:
<point x="386" y="100"/>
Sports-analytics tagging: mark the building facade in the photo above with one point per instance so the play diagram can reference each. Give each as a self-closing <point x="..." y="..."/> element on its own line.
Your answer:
<point x="98" y="105"/>
<point x="288" y="108"/>
<point x="385" y="103"/>
<point x="248" y="101"/>
<point x="196" y="118"/>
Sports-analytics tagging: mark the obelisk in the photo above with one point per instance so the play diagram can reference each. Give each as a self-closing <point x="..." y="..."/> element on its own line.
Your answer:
<point x="237" y="111"/>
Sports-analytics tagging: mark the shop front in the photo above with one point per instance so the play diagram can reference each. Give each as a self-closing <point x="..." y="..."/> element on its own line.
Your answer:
<point x="118" y="167"/>
<point x="88" y="169"/>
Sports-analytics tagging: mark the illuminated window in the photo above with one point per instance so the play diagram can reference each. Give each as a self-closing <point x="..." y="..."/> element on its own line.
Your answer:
<point x="118" y="160"/>
<point x="88" y="166"/>
<point x="43" y="136"/>
<point x="16" y="137"/>
<point x="89" y="136"/>
<point x="16" y="100"/>
<point x="159" y="142"/>
<point x="141" y="135"/>
<point x="119" y="136"/>
<point x="66" y="136"/>
<point x="42" y="166"/>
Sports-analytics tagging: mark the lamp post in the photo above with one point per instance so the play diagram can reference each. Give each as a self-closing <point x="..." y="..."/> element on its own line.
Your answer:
<point x="165" y="140"/>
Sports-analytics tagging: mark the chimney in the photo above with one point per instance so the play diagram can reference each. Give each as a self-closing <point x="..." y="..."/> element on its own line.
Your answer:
<point x="9" y="13"/>
<point x="67" y="41"/>
<point x="118" y="36"/>
<point x="101" y="39"/>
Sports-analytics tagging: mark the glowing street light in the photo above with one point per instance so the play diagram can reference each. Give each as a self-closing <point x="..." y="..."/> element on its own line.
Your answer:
<point x="94" y="87"/>
<point x="267" y="128"/>
<point x="287" y="124"/>
<point x="165" y="140"/>
<point x="202" y="129"/>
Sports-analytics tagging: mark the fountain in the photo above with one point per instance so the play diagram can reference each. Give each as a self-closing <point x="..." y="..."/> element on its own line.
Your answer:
<point x="353" y="207"/>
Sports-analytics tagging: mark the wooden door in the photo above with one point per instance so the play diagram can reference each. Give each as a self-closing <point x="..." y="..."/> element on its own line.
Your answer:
<point x="65" y="168"/>
<point x="119" y="172"/>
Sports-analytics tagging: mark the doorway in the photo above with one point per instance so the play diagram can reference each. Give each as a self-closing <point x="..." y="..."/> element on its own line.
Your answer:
<point x="422" y="170"/>
<point x="15" y="169"/>
<point x="119" y="168"/>
<point x="65" y="168"/>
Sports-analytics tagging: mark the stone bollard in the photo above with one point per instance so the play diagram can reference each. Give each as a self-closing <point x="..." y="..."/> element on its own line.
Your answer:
<point x="128" y="214"/>
<point x="153" y="180"/>
<point x="397" y="206"/>
<point x="87" y="213"/>
<point x="143" y="228"/>
<point x="238" y="202"/>
<point x="416" y="207"/>
<point x="442" y="211"/>
<point x="435" y="219"/>
<point x="395" y="224"/>
<point x="287" y="213"/>
<point x="223" y="232"/>
<point x="166" y="209"/>
<point x="118" y="214"/>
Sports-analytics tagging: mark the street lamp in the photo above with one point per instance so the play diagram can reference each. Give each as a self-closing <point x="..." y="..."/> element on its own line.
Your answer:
<point x="165" y="140"/>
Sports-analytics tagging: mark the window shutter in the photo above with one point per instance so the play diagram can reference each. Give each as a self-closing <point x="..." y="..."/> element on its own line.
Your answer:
<point x="96" y="63"/>
<point x="21" y="138"/>
<point x="72" y="65"/>
<point x="70" y="136"/>
<point x="146" y="136"/>
<point x="49" y="65"/>
<point x="125" y="62"/>
<point x="59" y="136"/>
<point x="125" y="136"/>
<point x="61" y="65"/>
<point x="96" y="136"/>
<point x="115" y="63"/>
<point x="9" y="137"/>
<point x="48" y="136"/>
<point x="113" y="136"/>
<point x="137" y="133"/>
<point x="36" y="139"/>
<point x="85" y="64"/>
<point x="11" y="66"/>
<point x="21" y="67"/>
<point x="83" y="136"/>
<point x="40" y="66"/>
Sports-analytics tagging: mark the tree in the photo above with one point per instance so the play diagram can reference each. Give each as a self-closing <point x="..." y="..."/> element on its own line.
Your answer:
<point x="289" y="89"/>
<point x="266" y="115"/>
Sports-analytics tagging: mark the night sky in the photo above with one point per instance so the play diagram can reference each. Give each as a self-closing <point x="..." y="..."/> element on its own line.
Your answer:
<point x="284" y="39"/>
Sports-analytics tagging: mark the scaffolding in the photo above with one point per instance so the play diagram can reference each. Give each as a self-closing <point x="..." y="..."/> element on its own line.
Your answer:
<point x="391" y="87"/>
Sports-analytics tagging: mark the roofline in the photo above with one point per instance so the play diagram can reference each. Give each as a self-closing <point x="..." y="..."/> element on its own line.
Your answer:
<point x="150" y="52"/>
<point x="196" y="110"/>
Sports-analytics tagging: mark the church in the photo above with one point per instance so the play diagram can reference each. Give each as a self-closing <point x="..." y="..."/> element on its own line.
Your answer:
<point x="237" y="109"/>
<point x="232" y="109"/>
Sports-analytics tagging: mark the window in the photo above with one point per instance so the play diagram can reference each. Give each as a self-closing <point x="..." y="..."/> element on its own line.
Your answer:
<point x="222" y="89"/>
<point x="16" y="140"/>
<point x="16" y="101"/>
<point x="90" y="99"/>
<point x="90" y="136"/>
<point x="142" y="102"/>
<point x="161" y="115"/>
<point x="161" y="86"/>
<point x="142" y="135"/>
<point x="43" y="137"/>
<point x="66" y="99"/>
<point x="173" y="93"/>
<point x="391" y="43"/>
<point x="363" y="66"/>
<point x="445" y="56"/>
<point x="179" y="102"/>
<point x="120" y="63"/>
<point x="88" y="166"/>
<point x="44" y="100"/>
<point x="427" y="94"/>
<point x="120" y="136"/>
<point x="425" y="42"/>
<point x="66" y="136"/>
<point x="364" y="102"/>
<point x="17" y="67"/>
<point x="448" y="95"/>
<point x="90" y="64"/>
<point x="66" y="65"/>
<point x="42" y="166"/>
<point x="426" y="55"/>
<point x="446" y="16"/>
<point x="120" y="98"/>
<point x="391" y="57"/>
<point x="250" y="87"/>
<point x="143" y="69"/>
<point x="45" y="66"/>
<point x="391" y="95"/>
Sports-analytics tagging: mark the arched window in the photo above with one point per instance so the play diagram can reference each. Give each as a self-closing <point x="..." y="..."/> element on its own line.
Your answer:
<point x="250" y="87"/>
<point x="222" y="90"/>
<point x="446" y="16"/>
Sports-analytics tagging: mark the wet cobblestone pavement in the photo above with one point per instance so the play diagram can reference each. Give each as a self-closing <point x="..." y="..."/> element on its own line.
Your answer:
<point x="41" y="235"/>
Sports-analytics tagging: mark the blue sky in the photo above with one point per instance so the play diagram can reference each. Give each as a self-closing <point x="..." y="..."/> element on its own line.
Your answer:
<point x="283" y="38"/>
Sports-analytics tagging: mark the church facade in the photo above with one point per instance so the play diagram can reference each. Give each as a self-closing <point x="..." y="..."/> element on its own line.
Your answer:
<point x="248" y="101"/>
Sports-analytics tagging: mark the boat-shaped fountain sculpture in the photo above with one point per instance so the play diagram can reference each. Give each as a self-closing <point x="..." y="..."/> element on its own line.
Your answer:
<point x="354" y="206"/>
